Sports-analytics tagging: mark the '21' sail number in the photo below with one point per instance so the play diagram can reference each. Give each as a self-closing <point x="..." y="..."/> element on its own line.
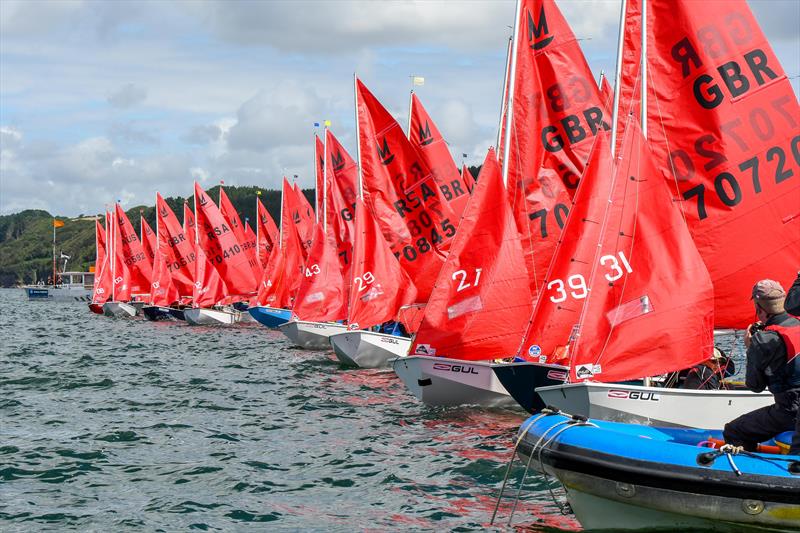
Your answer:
<point x="461" y="277"/>
<point x="577" y="282"/>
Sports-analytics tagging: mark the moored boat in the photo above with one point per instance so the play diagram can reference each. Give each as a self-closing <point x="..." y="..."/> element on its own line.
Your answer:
<point x="270" y="317"/>
<point x="368" y="349"/>
<point x="447" y="382"/>
<point x="120" y="309"/>
<point x="224" y="316"/>
<point x="311" y="335"/>
<point x="655" y="406"/>
<point x="626" y="477"/>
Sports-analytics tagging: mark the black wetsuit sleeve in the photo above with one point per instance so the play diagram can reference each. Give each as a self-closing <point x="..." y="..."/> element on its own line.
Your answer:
<point x="755" y="378"/>
<point x="792" y="303"/>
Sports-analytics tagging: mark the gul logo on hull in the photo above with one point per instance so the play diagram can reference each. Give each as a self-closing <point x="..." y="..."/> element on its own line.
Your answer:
<point x="456" y="368"/>
<point x="634" y="395"/>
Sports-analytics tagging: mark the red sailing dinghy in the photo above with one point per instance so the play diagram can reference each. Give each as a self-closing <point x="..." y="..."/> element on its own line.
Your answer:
<point x="102" y="279"/>
<point x="131" y="271"/>
<point x="225" y="269"/>
<point x="321" y="298"/>
<point x="729" y="128"/>
<point x="483" y="284"/>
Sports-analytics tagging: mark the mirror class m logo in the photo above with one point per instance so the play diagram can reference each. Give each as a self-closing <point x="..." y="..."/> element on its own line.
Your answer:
<point x="337" y="160"/>
<point x="538" y="33"/>
<point x="384" y="153"/>
<point x="425" y="137"/>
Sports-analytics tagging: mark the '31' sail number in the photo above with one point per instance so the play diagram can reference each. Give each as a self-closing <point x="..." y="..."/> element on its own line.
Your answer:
<point x="577" y="283"/>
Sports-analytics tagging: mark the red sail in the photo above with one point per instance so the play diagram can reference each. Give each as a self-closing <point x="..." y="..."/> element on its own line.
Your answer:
<point x="303" y="217"/>
<point x="267" y="234"/>
<point x="162" y="291"/>
<point x="467" y="179"/>
<point x="102" y="276"/>
<point x="132" y="255"/>
<point x="606" y="95"/>
<point x="732" y="126"/>
<point x="554" y="316"/>
<point x="120" y="272"/>
<point x="209" y="288"/>
<point x="248" y="244"/>
<point x="413" y="215"/>
<point x="189" y="224"/>
<point x="379" y="286"/>
<point x="482" y="299"/>
<point x="321" y="296"/>
<point x="99" y="243"/>
<point x="176" y="246"/>
<point x="342" y="192"/>
<point x="556" y="112"/>
<point x="648" y="304"/>
<point x="148" y="238"/>
<point x="425" y="137"/>
<point x="272" y="289"/>
<point x="222" y="249"/>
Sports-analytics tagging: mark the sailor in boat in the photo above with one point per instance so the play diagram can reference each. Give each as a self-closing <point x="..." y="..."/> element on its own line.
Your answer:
<point x="709" y="374"/>
<point x="772" y="362"/>
<point x="792" y="304"/>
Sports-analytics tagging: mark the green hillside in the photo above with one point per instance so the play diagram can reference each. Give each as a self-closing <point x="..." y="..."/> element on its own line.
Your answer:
<point x="26" y="238"/>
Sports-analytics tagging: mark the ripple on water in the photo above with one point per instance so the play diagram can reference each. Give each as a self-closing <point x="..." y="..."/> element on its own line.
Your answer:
<point x="110" y="425"/>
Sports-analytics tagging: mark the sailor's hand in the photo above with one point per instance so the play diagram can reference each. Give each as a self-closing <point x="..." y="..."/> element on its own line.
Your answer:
<point x="748" y="335"/>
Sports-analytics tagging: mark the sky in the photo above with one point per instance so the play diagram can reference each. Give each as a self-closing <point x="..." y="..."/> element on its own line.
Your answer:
<point x="115" y="100"/>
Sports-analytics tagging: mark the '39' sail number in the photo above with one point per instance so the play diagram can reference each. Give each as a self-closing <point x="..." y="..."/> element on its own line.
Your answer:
<point x="577" y="283"/>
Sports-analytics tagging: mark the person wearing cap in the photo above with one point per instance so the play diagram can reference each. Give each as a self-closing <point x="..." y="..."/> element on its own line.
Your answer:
<point x="709" y="374"/>
<point x="792" y="303"/>
<point x="772" y="363"/>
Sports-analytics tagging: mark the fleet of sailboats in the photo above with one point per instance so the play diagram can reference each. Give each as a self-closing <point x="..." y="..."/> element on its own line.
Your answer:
<point x="608" y="234"/>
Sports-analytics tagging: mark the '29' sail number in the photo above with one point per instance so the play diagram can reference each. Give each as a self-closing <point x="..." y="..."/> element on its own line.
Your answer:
<point x="577" y="283"/>
<point x="364" y="281"/>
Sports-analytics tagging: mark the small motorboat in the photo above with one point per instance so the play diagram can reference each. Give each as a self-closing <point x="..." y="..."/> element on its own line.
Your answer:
<point x="622" y="476"/>
<point x="271" y="317"/>
<point x="368" y="349"/>
<point x="311" y="335"/>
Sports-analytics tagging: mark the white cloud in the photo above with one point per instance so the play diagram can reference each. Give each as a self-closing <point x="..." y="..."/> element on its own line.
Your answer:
<point x="128" y="95"/>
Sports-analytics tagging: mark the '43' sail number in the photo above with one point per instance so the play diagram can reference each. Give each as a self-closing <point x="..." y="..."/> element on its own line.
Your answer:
<point x="577" y="283"/>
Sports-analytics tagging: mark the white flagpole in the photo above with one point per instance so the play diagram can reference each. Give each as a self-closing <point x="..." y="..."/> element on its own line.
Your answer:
<point x="512" y="78"/>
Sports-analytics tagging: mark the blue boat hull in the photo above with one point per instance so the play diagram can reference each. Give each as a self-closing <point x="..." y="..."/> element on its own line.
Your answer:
<point x="628" y="476"/>
<point x="270" y="316"/>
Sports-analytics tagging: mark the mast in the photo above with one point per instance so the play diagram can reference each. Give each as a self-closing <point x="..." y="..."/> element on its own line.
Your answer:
<point x="512" y="78"/>
<point x="324" y="206"/>
<point x="503" y="95"/>
<point x="644" y="70"/>
<point x="316" y="178"/>
<point x="113" y="257"/>
<point x="618" y="77"/>
<point x="280" y="234"/>
<point x="410" y="107"/>
<point x="358" y="140"/>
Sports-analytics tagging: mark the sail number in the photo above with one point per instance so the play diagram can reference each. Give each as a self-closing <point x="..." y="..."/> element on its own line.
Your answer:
<point x="312" y="270"/>
<point x="461" y="277"/>
<point x="577" y="283"/>
<point x="363" y="281"/>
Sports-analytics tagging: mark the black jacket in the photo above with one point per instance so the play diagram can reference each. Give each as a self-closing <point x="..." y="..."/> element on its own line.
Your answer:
<point x="792" y="304"/>
<point x="766" y="357"/>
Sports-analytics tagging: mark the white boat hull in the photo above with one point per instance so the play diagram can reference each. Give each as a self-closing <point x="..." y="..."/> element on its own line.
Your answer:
<point x="120" y="310"/>
<point x="653" y="406"/>
<point x="448" y="382"/>
<point x="311" y="335"/>
<point x="367" y="349"/>
<point x="211" y="317"/>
